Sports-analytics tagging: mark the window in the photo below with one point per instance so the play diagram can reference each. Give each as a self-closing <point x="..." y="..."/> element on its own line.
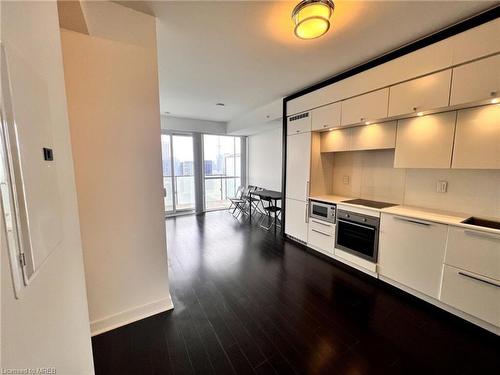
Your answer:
<point x="222" y="169"/>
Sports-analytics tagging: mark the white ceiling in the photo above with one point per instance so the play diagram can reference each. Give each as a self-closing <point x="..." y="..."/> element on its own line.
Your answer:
<point x="244" y="54"/>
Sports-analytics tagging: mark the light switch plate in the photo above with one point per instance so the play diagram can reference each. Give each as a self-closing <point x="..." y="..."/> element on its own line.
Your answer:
<point x="442" y="186"/>
<point x="346" y="180"/>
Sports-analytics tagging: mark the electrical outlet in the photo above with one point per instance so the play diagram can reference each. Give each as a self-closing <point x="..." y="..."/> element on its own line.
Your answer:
<point x="346" y="180"/>
<point x="442" y="186"/>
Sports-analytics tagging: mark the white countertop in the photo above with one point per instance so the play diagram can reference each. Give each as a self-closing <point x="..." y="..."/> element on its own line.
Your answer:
<point x="330" y="198"/>
<point x="436" y="216"/>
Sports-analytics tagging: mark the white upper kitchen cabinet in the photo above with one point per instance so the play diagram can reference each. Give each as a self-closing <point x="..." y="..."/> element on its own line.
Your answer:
<point x="411" y="252"/>
<point x="296" y="219"/>
<point x="421" y="94"/>
<point x="366" y="107"/>
<point x="298" y="160"/>
<point x="425" y="142"/>
<point x="477" y="138"/>
<point x="300" y="123"/>
<point x="326" y="117"/>
<point x="373" y="137"/>
<point x="335" y="140"/>
<point x="477" y="42"/>
<point x="476" y="81"/>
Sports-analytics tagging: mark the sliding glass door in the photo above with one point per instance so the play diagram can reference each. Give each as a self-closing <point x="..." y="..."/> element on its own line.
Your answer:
<point x="222" y="169"/>
<point x="178" y="173"/>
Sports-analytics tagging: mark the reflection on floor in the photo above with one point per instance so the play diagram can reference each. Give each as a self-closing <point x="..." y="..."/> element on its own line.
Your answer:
<point x="246" y="302"/>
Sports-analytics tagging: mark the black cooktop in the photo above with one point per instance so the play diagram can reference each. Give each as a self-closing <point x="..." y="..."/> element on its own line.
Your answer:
<point x="373" y="204"/>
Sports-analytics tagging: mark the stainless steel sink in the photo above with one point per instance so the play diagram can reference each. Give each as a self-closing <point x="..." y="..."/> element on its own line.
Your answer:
<point x="482" y="222"/>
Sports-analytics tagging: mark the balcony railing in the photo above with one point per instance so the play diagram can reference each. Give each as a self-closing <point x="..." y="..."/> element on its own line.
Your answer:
<point x="218" y="190"/>
<point x="184" y="193"/>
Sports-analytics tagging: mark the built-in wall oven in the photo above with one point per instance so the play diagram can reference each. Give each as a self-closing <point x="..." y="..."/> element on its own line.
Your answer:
<point x="322" y="211"/>
<point x="357" y="234"/>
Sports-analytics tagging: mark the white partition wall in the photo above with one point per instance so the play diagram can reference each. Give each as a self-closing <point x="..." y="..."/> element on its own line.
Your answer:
<point x="115" y="132"/>
<point x="48" y="326"/>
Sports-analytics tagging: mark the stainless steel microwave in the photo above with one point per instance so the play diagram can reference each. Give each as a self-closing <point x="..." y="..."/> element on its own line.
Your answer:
<point x="322" y="211"/>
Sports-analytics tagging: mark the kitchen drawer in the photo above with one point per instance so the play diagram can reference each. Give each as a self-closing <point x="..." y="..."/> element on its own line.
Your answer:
<point x="321" y="225"/>
<point x="300" y="123"/>
<point x="321" y="237"/>
<point x="472" y="294"/>
<point x="474" y="251"/>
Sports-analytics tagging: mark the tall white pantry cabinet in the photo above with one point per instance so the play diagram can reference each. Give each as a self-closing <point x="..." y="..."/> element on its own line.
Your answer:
<point x="297" y="175"/>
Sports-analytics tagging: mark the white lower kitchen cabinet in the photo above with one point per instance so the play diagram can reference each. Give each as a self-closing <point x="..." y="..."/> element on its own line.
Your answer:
<point x="321" y="236"/>
<point x="411" y="252"/>
<point x="296" y="218"/>
<point x="474" y="251"/>
<point x="471" y="293"/>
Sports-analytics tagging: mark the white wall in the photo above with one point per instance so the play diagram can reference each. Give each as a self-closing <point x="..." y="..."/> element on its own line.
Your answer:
<point x="264" y="158"/>
<point x="260" y="119"/>
<point x="192" y="125"/>
<point x="372" y="176"/>
<point x="48" y="326"/>
<point x="112" y="21"/>
<point x="113" y="104"/>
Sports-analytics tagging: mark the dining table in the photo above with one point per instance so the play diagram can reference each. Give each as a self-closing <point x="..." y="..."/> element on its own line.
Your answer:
<point x="273" y="195"/>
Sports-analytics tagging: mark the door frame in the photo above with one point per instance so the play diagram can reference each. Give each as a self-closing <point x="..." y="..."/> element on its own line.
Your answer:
<point x="175" y="211"/>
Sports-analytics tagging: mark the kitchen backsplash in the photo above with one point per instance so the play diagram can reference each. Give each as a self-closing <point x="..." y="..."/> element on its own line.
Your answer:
<point x="370" y="175"/>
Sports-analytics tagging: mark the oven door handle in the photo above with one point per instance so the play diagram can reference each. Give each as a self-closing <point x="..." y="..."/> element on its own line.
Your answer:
<point x="356" y="224"/>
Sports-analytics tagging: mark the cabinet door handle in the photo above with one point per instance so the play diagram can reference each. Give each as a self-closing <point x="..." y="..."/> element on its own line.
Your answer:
<point x="320" y="223"/>
<point x="320" y="232"/>
<point x="482" y="235"/>
<point x="307" y="189"/>
<point x="478" y="279"/>
<point x="306" y="218"/>
<point x="412" y="221"/>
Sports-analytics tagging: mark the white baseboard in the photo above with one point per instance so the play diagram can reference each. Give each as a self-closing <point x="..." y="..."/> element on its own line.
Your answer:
<point x="129" y="316"/>
<point x="481" y="323"/>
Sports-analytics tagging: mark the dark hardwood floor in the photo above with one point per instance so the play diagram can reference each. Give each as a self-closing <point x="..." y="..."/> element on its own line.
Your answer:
<point x="247" y="302"/>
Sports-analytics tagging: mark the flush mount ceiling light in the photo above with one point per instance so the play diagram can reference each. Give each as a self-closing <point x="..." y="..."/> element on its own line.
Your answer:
<point x="312" y="18"/>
